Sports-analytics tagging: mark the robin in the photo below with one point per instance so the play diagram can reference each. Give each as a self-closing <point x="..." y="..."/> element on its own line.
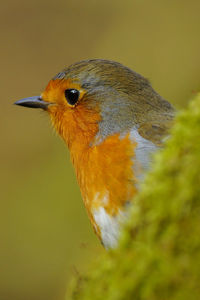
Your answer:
<point x="112" y="121"/>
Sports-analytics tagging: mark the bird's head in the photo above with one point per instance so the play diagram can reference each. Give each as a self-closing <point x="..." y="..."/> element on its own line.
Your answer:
<point x="93" y="99"/>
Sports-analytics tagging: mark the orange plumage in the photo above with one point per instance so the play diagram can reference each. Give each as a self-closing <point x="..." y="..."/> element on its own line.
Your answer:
<point x="111" y="120"/>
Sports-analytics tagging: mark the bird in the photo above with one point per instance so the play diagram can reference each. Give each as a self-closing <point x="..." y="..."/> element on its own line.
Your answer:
<point x="112" y="122"/>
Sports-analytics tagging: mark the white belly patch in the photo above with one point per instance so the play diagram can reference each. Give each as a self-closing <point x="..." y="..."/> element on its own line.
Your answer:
<point x="110" y="226"/>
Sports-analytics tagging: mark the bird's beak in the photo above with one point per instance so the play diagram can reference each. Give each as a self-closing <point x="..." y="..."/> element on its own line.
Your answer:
<point x="33" y="102"/>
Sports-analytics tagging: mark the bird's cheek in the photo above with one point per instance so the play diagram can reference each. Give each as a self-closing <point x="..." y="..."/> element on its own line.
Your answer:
<point x="61" y="120"/>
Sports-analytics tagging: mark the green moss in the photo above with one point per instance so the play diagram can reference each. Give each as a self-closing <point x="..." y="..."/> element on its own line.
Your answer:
<point x="159" y="254"/>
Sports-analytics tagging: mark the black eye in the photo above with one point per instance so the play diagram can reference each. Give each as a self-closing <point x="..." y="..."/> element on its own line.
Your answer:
<point x="72" y="96"/>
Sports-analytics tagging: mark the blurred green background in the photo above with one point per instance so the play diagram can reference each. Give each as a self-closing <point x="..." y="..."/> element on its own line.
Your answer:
<point x="45" y="234"/>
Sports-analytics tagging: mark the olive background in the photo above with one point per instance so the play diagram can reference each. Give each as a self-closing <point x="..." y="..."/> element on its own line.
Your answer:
<point x="45" y="234"/>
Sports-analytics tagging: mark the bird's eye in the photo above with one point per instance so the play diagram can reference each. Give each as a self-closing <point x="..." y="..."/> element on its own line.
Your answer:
<point x="72" y="96"/>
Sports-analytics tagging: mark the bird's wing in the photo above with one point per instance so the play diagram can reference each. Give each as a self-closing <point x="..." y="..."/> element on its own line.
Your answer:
<point x="148" y="137"/>
<point x="154" y="132"/>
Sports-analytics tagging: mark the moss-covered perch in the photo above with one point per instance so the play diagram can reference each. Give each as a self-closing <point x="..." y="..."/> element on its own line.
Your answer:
<point x="159" y="254"/>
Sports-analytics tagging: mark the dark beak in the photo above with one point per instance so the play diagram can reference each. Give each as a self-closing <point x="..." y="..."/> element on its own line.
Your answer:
<point x="33" y="102"/>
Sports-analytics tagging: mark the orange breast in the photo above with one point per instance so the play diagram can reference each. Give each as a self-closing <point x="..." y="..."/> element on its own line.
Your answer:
<point x="105" y="175"/>
<point x="104" y="171"/>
